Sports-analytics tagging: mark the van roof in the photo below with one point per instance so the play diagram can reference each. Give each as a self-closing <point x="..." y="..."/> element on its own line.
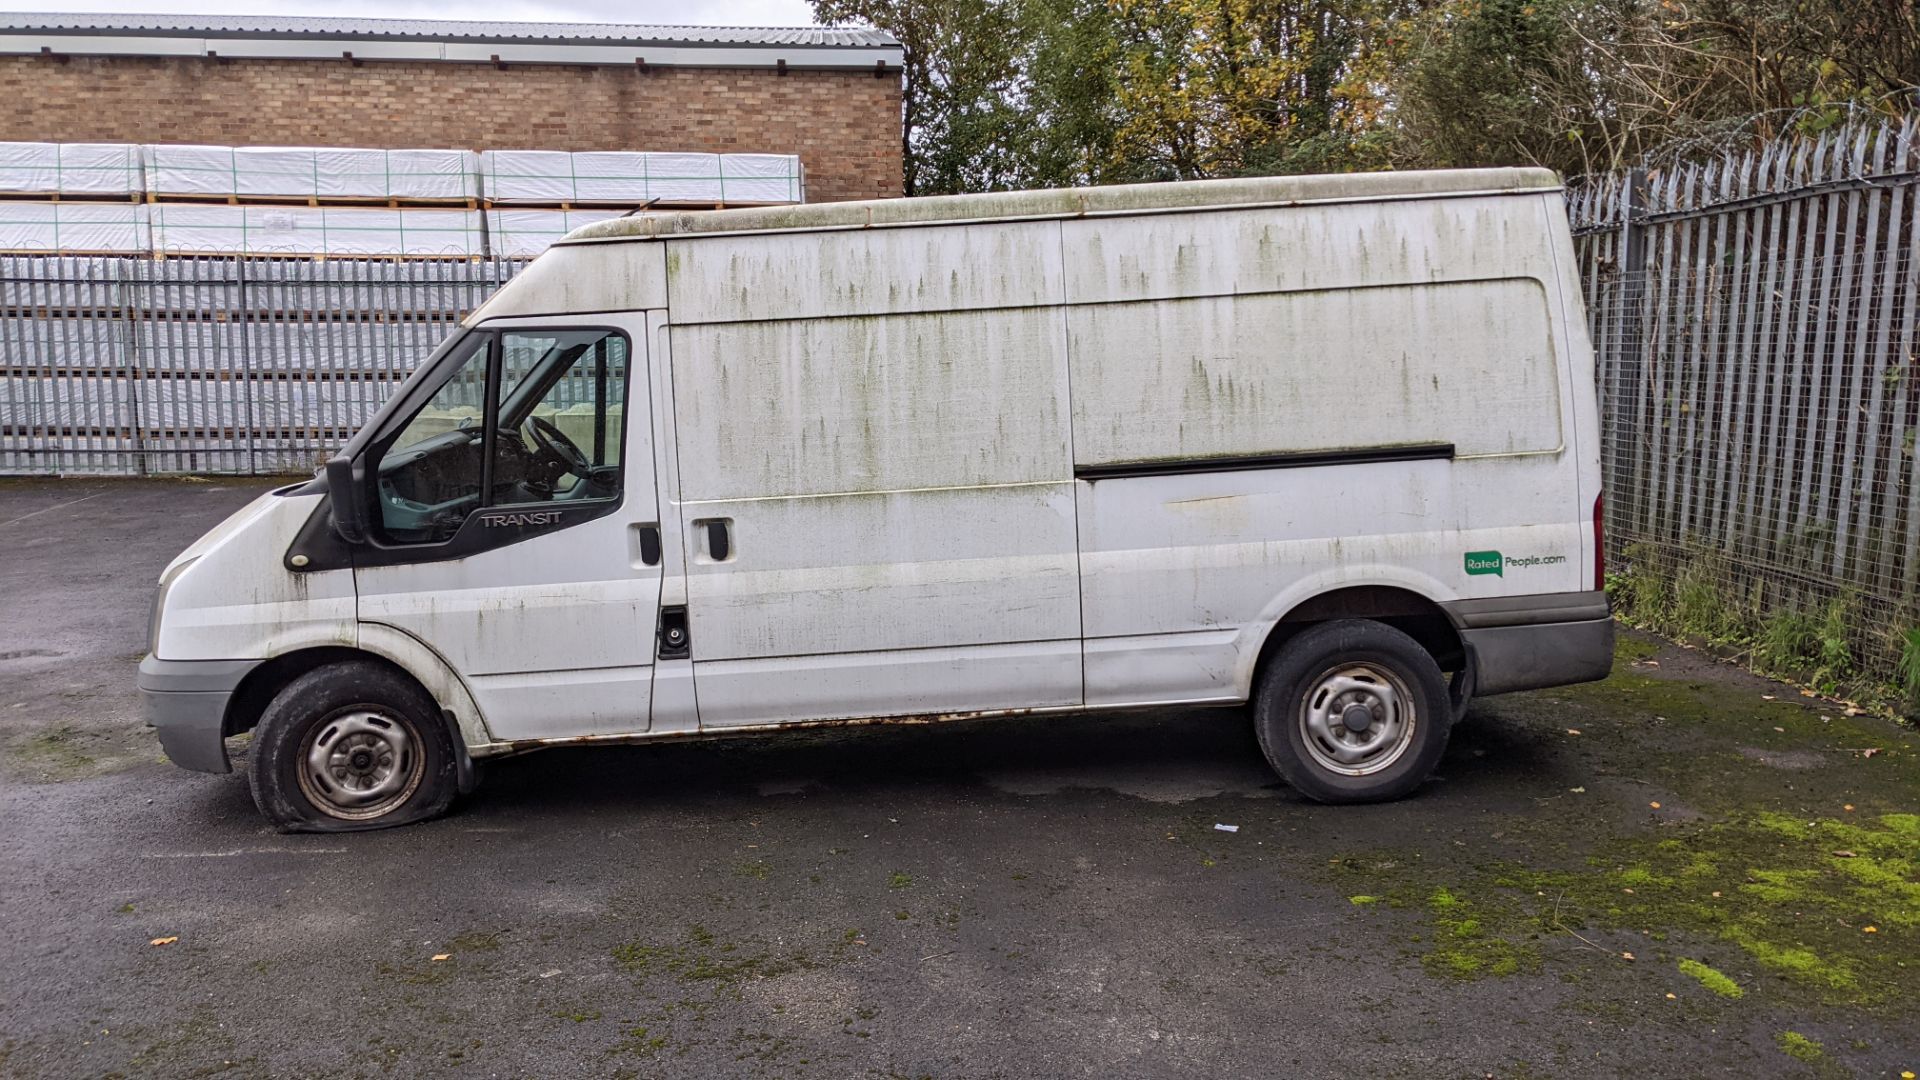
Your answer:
<point x="1075" y="202"/>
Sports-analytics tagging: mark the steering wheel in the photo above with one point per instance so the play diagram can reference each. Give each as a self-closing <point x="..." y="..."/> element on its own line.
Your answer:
<point x="557" y="448"/>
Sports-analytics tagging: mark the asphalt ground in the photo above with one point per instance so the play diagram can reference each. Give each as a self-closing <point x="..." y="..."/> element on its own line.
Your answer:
<point x="1684" y="871"/>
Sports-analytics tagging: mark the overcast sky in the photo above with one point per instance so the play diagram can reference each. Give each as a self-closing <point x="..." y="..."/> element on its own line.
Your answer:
<point x="688" y="12"/>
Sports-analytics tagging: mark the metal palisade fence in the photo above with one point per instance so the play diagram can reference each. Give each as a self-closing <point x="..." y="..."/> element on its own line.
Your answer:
<point x="1755" y="317"/>
<point x="131" y="366"/>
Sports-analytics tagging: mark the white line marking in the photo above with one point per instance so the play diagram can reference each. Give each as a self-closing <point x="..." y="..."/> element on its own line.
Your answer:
<point x="245" y="851"/>
<point x="51" y="509"/>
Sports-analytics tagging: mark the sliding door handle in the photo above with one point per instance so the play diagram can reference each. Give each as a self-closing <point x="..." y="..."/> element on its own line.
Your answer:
<point x="715" y="539"/>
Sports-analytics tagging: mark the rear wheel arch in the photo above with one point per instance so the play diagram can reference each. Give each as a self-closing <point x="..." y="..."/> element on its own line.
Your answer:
<point x="1407" y="611"/>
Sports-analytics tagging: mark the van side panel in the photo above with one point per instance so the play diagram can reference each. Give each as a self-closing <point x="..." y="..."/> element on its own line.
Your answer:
<point x="1274" y="334"/>
<point x="880" y="419"/>
<point x="1316" y="370"/>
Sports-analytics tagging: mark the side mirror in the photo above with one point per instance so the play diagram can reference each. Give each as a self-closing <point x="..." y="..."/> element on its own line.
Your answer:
<point x="347" y="501"/>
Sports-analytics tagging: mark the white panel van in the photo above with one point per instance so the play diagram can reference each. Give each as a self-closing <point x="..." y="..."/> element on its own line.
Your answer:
<point x="1325" y="445"/>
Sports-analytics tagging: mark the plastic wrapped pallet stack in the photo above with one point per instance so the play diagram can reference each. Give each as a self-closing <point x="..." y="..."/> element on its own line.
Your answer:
<point x="310" y="172"/>
<point x="632" y="178"/>
<point x="72" y="228"/>
<point x="58" y="169"/>
<point x="185" y="229"/>
<point x="525" y="233"/>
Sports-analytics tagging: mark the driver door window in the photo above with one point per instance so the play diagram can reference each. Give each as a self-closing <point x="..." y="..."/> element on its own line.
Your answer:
<point x="561" y="416"/>
<point x="528" y="418"/>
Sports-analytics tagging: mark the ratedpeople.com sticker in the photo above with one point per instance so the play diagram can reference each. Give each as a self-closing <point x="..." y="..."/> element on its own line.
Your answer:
<point x="1492" y="562"/>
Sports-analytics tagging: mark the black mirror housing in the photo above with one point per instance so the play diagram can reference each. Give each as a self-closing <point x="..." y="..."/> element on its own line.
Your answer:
<point x="346" y="501"/>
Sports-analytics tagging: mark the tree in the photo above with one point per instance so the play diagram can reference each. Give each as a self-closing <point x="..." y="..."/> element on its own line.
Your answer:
<point x="1592" y="85"/>
<point x="1226" y="87"/>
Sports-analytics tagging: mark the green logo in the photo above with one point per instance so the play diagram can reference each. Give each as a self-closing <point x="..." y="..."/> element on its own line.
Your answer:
<point x="1485" y="562"/>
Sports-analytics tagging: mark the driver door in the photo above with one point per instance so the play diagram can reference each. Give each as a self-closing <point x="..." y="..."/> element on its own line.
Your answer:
<point x="516" y="525"/>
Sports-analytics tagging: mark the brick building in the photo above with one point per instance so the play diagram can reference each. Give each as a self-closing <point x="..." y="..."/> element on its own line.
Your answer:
<point x="831" y="96"/>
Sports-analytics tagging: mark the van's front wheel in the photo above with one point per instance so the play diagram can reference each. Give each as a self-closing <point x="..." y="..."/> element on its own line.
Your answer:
<point x="351" y="746"/>
<point x="1353" y="711"/>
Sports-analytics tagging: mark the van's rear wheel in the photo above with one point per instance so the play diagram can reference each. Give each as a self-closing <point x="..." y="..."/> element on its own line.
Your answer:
<point x="1353" y="711"/>
<point x="349" y="746"/>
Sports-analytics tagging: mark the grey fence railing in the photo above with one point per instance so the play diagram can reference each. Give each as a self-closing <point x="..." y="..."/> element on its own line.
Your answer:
<point x="1756" y="318"/>
<point x="128" y="366"/>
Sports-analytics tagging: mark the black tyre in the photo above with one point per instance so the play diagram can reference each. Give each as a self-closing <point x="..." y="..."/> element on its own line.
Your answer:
<point x="1353" y="711"/>
<point x="352" y="746"/>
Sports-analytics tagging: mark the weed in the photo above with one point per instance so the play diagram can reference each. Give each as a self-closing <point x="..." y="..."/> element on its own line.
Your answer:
<point x="899" y="880"/>
<point x="1908" y="669"/>
<point x="1786" y="640"/>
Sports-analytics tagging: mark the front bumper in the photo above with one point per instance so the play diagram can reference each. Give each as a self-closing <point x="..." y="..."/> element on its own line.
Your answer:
<point x="1533" y="642"/>
<point x="185" y="701"/>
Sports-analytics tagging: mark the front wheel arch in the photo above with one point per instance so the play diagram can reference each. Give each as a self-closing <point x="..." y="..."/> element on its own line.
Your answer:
<point x="261" y="685"/>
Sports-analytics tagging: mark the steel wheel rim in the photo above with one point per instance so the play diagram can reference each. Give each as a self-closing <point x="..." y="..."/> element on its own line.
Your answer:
<point x="360" y="763"/>
<point x="1345" y="696"/>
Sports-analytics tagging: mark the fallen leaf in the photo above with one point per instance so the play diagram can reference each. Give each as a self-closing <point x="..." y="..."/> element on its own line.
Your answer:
<point x="1716" y="894"/>
<point x="164" y="940"/>
<point x="1578" y="790"/>
<point x="1869" y="929"/>
<point x="1626" y="890"/>
<point x="1869" y="751"/>
<point x="1845" y="855"/>
<point x="1848" y="808"/>
<point x="442" y="956"/>
<point x="1766" y="697"/>
<point x="1806" y="693"/>
<point x="1779" y="729"/>
<point x="1673" y="997"/>
<point x="1626" y="956"/>
<point x="1573" y="731"/>
<point x="1655" y="805"/>
<point x="1906" y="1074"/>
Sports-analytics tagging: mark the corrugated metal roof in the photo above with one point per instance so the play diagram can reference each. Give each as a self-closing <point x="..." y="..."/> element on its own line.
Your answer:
<point x="439" y="30"/>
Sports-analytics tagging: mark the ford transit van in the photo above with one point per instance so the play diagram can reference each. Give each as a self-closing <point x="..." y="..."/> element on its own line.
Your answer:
<point x="1324" y="445"/>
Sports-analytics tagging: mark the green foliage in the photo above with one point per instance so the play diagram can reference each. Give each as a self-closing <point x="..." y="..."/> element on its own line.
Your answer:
<point x="1786" y="640"/>
<point x="1908" y="669"/>
<point x="1002" y="94"/>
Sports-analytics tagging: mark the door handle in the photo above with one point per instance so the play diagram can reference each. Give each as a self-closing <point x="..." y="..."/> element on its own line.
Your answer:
<point x="646" y="539"/>
<point x="716" y="538"/>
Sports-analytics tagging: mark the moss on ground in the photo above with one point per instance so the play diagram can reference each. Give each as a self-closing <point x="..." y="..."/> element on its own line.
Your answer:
<point x="1711" y="979"/>
<point x="704" y="958"/>
<point x="1796" y="1045"/>
<point x="1820" y="904"/>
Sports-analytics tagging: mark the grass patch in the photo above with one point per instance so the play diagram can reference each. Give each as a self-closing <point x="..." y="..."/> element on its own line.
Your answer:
<point x="899" y="880"/>
<point x="1711" y="979"/>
